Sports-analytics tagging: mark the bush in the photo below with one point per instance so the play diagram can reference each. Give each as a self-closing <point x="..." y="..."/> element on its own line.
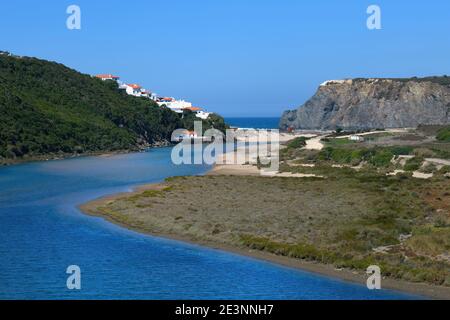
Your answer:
<point x="402" y="150"/>
<point x="381" y="158"/>
<point x="444" y="170"/>
<point x="429" y="168"/>
<point x="413" y="164"/>
<point x="444" y="134"/>
<point x="424" y="153"/>
<point x="296" y="143"/>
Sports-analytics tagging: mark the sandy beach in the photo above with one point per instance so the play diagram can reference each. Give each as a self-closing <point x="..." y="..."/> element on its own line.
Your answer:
<point x="243" y="166"/>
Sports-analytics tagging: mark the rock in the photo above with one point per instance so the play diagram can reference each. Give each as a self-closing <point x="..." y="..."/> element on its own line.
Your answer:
<point x="404" y="237"/>
<point x="373" y="103"/>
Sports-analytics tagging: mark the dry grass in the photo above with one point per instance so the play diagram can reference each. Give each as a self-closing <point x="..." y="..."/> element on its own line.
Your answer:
<point x="339" y="220"/>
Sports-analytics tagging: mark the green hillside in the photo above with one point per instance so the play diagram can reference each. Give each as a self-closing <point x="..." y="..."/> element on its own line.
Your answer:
<point x="47" y="108"/>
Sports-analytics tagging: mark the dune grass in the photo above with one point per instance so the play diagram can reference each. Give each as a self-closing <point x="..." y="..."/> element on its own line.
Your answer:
<point x="341" y="220"/>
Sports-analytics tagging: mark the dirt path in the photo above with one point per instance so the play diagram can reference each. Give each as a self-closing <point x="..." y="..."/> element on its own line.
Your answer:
<point x="314" y="143"/>
<point x="438" y="161"/>
<point x="406" y="130"/>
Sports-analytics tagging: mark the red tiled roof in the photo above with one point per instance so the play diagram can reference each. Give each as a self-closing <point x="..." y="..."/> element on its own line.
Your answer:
<point x="134" y="86"/>
<point x="107" y="76"/>
<point x="193" y="108"/>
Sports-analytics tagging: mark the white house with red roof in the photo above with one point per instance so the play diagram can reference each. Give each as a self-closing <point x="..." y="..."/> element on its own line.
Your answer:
<point x="202" y="114"/>
<point x="133" y="89"/>
<point x="181" y="105"/>
<point x="145" y="93"/>
<point x="173" y="104"/>
<point x="136" y="90"/>
<point x="105" y="77"/>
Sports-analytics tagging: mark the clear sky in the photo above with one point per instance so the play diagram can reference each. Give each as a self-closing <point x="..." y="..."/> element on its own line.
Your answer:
<point x="234" y="57"/>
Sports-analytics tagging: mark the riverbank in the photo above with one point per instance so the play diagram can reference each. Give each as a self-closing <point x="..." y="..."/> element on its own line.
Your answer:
<point x="220" y="216"/>
<point x="62" y="155"/>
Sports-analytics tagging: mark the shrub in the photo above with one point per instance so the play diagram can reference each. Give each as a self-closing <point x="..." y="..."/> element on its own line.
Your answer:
<point x="444" y="134"/>
<point x="429" y="168"/>
<point x="444" y="170"/>
<point x="296" y="143"/>
<point x="401" y="150"/>
<point x="413" y="164"/>
<point x="381" y="158"/>
<point x="424" y="152"/>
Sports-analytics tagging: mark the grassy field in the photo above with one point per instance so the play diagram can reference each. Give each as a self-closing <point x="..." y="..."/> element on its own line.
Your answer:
<point x="349" y="219"/>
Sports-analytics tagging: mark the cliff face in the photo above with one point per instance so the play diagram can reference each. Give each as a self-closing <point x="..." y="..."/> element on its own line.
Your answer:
<point x="373" y="103"/>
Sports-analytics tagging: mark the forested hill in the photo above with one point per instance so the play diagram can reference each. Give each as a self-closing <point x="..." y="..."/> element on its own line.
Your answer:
<point x="47" y="108"/>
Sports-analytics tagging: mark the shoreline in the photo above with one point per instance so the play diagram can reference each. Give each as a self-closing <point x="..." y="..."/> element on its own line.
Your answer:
<point x="419" y="289"/>
<point x="64" y="156"/>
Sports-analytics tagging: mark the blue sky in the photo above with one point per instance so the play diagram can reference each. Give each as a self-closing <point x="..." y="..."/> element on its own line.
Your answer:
<point x="235" y="57"/>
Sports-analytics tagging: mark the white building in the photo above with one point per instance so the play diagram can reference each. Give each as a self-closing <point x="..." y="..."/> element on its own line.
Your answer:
<point x="175" y="105"/>
<point x="105" y="77"/>
<point x="202" y="114"/>
<point x="181" y="105"/>
<point x="356" y="138"/>
<point x="154" y="96"/>
<point x="133" y="90"/>
<point x="145" y="93"/>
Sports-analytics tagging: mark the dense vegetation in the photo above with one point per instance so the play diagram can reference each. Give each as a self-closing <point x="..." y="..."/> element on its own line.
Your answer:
<point x="375" y="156"/>
<point x="213" y="121"/>
<point x="47" y="108"/>
<point x="444" y="134"/>
<point x="386" y="155"/>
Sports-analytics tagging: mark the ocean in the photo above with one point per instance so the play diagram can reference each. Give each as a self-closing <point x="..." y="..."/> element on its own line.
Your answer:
<point x="254" y="123"/>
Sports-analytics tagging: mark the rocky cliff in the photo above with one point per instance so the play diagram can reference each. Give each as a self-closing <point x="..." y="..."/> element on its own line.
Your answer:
<point x="374" y="103"/>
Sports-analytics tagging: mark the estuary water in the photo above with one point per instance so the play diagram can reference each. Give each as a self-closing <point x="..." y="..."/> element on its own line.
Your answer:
<point x="42" y="232"/>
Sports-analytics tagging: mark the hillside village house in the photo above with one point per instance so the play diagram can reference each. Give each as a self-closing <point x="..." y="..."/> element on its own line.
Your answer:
<point x="136" y="90"/>
<point x="180" y="105"/>
<point x="176" y="105"/>
<point x="133" y="90"/>
<point x="105" y="77"/>
<point x="199" y="113"/>
<point x="145" y="93"/>
<point x="202" y="114"/>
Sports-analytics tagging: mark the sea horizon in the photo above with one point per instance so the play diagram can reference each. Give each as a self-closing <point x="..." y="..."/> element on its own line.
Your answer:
<point x="253" y="122"/>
